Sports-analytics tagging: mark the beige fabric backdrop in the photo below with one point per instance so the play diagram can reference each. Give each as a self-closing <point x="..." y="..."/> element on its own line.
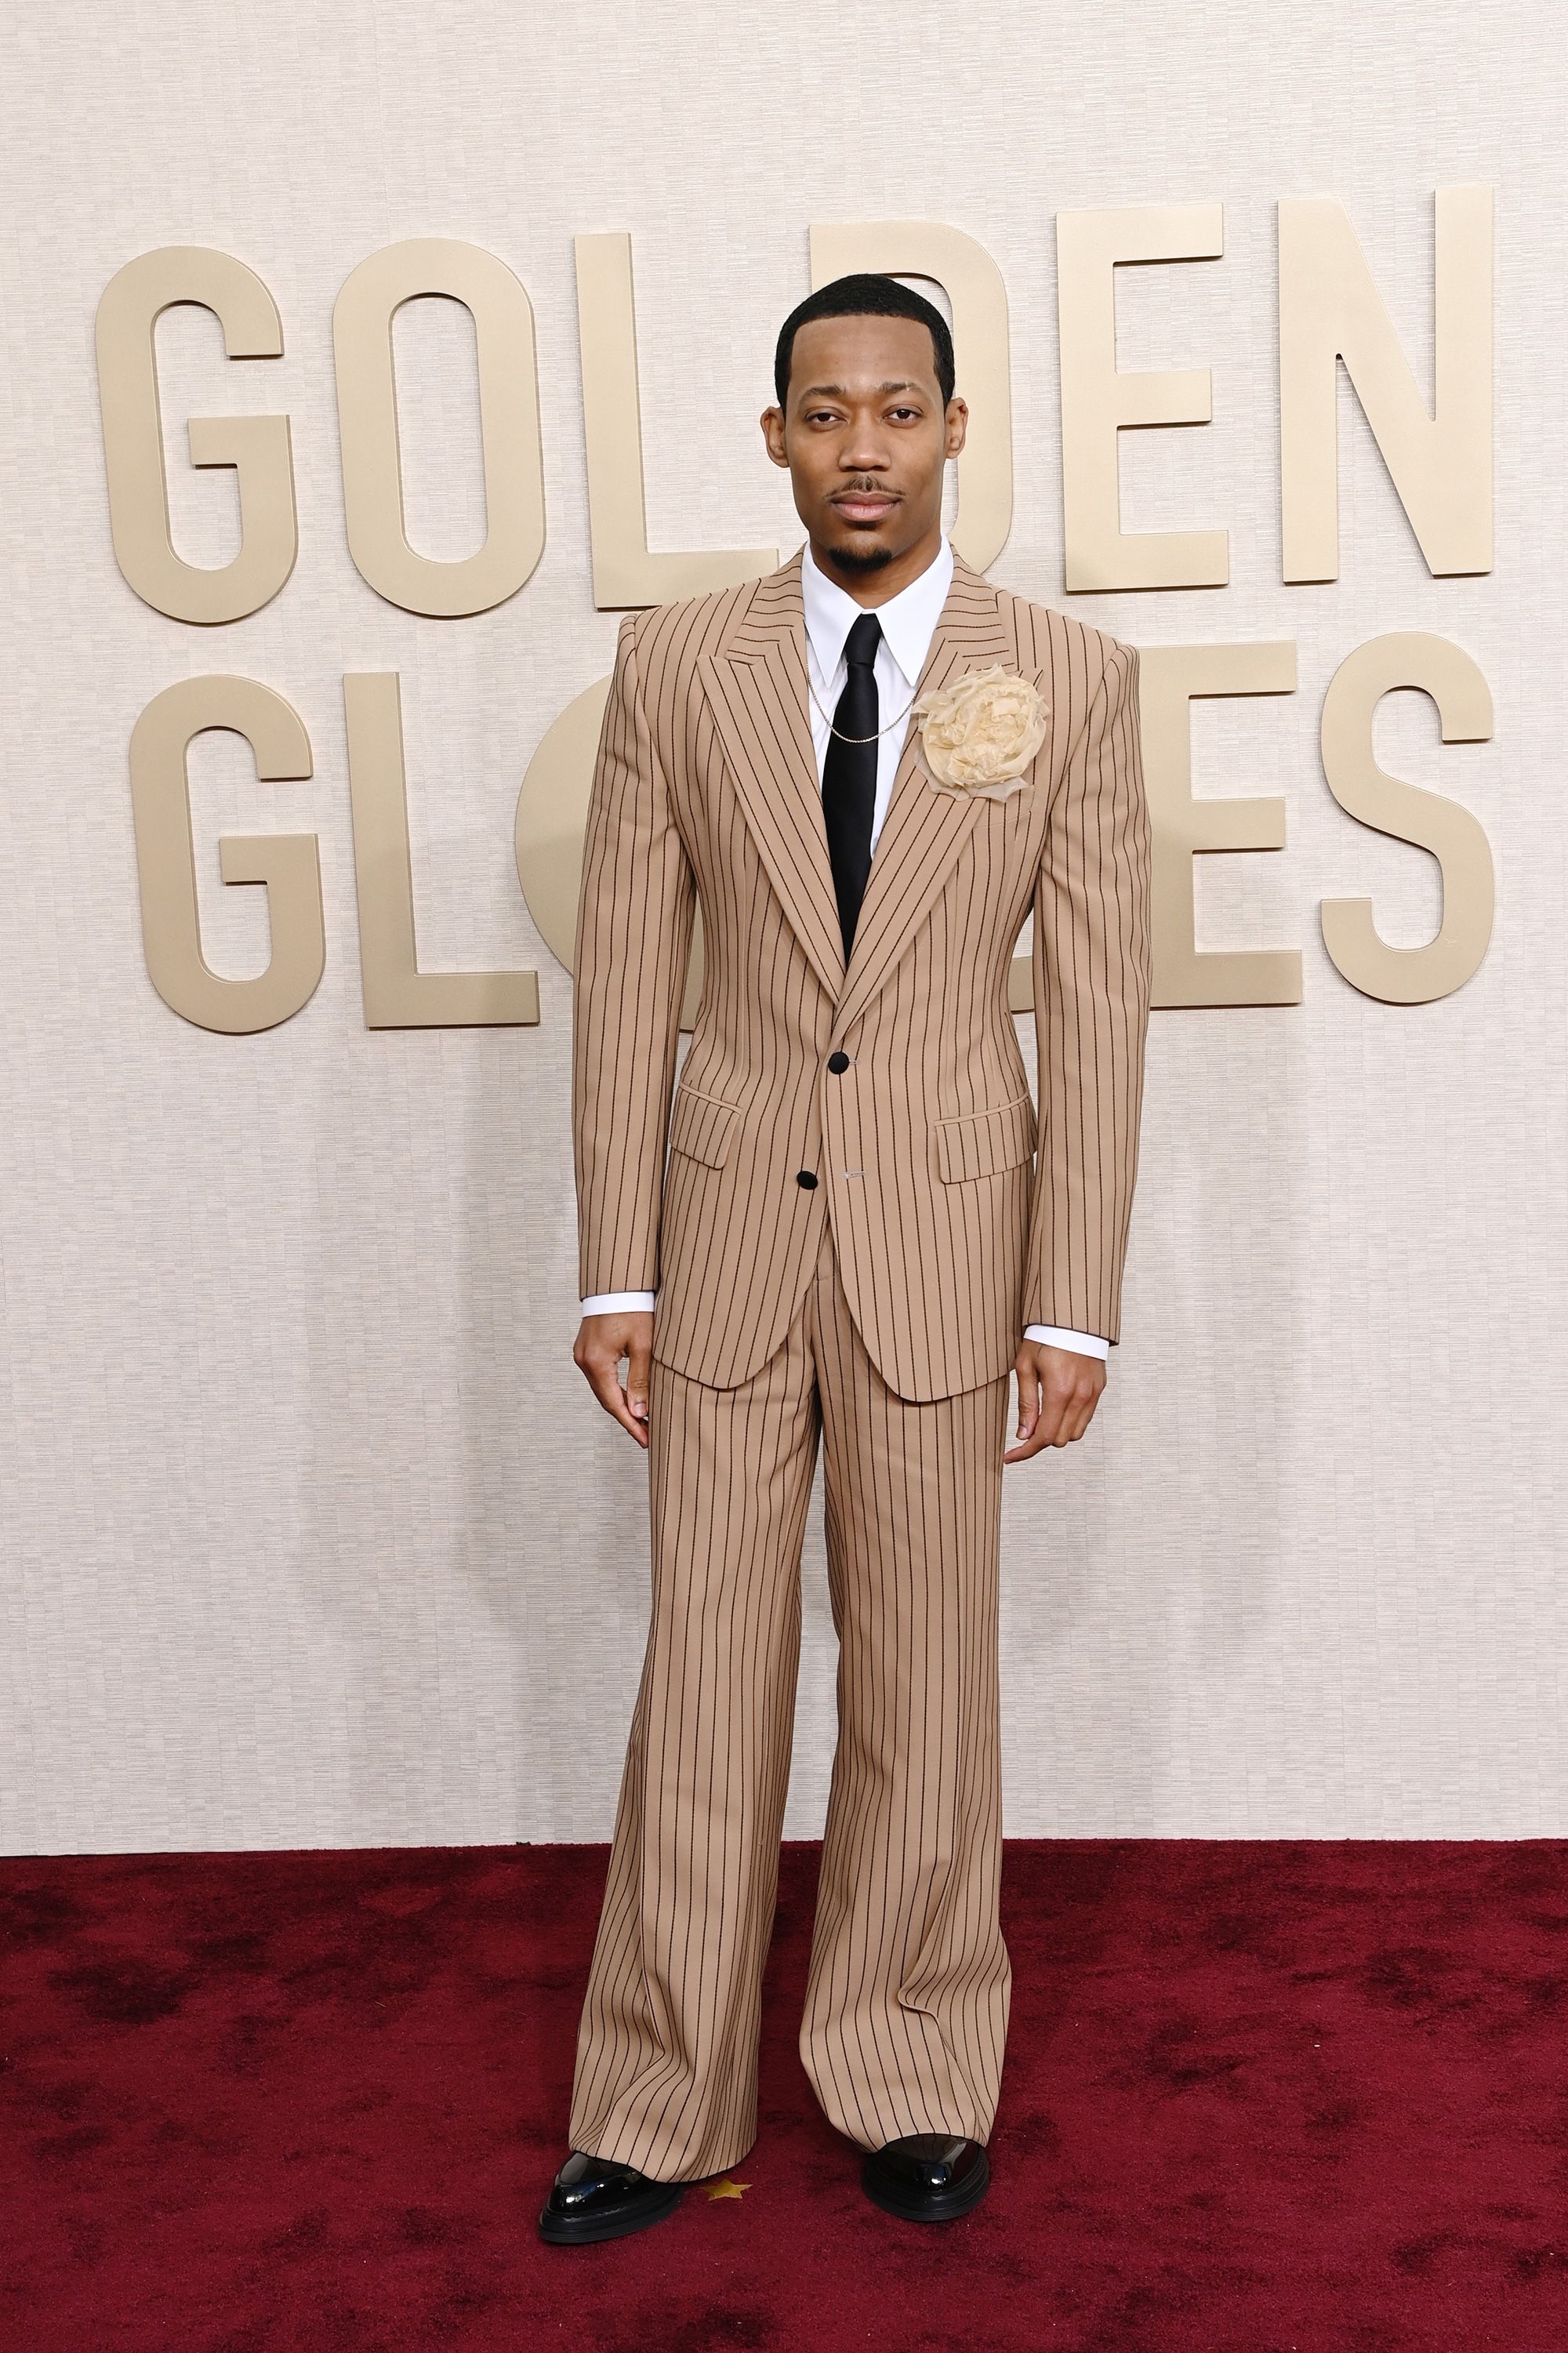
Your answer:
<point x="312" y="1534"/>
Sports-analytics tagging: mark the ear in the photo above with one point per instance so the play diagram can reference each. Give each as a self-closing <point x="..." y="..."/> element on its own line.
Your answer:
<point x="957" y="425"/>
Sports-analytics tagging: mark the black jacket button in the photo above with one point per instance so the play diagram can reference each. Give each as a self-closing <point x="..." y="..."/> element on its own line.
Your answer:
<point x="807" y="1176"/>
<point x="838" y="1062"/>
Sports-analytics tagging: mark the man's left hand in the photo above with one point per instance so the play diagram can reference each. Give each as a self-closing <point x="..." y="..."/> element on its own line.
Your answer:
<point x="1059" y="1389"/>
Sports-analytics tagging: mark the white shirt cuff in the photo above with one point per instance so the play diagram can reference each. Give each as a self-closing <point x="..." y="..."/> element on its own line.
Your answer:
<point x="1055" y="1336"/>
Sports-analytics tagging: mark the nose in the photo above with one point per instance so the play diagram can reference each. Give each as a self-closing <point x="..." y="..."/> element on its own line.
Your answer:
<point x="863" y="450"/>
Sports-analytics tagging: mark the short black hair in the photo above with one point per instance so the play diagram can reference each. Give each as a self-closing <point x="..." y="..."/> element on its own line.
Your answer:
<point x="866" y="292"/>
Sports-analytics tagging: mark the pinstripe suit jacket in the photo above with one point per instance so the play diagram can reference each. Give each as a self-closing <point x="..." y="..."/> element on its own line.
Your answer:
<point x="950" y="1235"/>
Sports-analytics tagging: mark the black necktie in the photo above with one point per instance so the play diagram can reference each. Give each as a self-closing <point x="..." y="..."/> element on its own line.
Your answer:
<point x="849" y="775"/>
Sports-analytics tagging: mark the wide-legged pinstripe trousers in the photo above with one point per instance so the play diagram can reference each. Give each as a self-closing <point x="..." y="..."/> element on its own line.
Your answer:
<point x="907" y="2000"/>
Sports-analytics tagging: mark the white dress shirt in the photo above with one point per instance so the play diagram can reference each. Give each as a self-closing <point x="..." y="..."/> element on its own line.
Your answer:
<point x="908" y="621"/>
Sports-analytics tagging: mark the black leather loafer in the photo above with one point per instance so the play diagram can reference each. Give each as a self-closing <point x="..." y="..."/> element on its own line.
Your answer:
<point x="593" y="2198"/>
<point x="927" y="2177"/>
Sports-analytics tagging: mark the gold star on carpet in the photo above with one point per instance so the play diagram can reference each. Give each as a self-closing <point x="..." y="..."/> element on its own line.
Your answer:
<point x="728" y="2189"/>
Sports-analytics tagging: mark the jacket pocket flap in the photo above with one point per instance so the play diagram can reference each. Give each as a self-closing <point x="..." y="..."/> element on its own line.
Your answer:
<point x="980" y="1142"/>
<point x="701" y="1126"/>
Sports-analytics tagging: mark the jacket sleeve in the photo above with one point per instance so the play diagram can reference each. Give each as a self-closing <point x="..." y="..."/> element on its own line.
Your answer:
<point x="1091" y="987"/>
<point x="635" y="915"/>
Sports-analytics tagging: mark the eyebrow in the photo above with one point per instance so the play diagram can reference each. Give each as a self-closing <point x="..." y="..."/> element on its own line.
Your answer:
<point x="901" y="384"/>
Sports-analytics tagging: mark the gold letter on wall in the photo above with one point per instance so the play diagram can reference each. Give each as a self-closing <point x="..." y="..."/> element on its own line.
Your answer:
<point x="1452" y="834"/>
<point x="1099" y="401"/>
<point x="972" y="284"/>
<point x="288" y="863"/>
<point x="1329" y="310"/>
<point x="509" y="426"/>
<point x="397" y="995"/>
<point x="1170" y="677"/>
<point x="256" y="447"/>
<point x="626" y="571"/>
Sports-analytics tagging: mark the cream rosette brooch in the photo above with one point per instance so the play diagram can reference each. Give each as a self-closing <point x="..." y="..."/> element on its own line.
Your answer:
<point x="979" y="734"/>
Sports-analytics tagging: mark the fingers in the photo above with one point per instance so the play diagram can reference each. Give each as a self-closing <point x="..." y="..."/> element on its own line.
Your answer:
<point x="1030" y="1396"/>
<point x="1077" y="1409"/>
<point x="1043" y="1430"/>
<point x="602" y="1341"/>
<point x="641" y="1360"/>
<point x="605" y="1380"/>
<point x="1058" y="1390"/>
<point x="1079" y="1420"/>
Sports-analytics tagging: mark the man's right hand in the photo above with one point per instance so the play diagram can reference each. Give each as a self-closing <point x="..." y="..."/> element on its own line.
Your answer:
<point x="602" y="1342"/>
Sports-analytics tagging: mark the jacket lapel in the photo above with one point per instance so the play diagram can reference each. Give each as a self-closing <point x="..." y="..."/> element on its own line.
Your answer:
<point x="756" y="682"/>
<point x="924" y="830"/>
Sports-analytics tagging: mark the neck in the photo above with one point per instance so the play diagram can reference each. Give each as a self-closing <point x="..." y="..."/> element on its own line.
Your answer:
<point x="873" y="588"/>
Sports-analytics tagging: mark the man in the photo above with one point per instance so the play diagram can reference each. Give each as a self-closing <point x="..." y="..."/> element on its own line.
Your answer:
<point x="851" y="1240"/>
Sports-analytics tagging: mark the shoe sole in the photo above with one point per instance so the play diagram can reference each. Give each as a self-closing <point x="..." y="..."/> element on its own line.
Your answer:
<point x="945" y="2208"/>
<point x="561" y="2231"/>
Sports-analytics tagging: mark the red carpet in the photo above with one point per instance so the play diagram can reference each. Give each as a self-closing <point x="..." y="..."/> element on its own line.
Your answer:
<point x="1260" y="2098"/>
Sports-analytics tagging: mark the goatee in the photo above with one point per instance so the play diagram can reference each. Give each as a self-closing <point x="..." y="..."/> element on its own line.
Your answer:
<point x="860" y="559"/>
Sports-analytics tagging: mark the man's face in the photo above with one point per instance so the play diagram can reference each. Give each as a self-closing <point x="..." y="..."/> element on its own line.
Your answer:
<point x="865" y="436"/>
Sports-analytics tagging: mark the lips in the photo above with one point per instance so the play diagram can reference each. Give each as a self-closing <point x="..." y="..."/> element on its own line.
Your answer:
<point x="868" y="506"/>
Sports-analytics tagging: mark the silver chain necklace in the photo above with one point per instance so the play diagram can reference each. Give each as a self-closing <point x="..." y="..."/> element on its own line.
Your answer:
<point x="839" y="731"/>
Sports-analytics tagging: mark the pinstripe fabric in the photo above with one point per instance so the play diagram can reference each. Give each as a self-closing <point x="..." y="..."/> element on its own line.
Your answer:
<point x="876" y="1312"/>
<point x="906" y="2011"/>
<point x="706" y="791"/>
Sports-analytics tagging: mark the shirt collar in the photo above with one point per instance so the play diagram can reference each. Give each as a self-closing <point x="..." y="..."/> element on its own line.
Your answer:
<point x="908" y="620"/>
